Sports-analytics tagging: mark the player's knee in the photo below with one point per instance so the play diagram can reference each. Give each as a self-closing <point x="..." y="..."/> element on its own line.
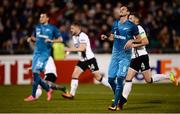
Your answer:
<point x="149" y="81"/>
<point x="35" y="82"/>
<point x="36" y="77"/>
<point x="97" y="76"/>
<point x="120" y="81"/>
<point x="111" y="80"/>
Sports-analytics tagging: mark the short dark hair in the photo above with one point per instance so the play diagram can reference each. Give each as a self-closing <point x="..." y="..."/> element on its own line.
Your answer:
<point x="129" y="9"/>
<point x="136" y="15"/>
<point x="45" y="12"/>
<point x="76" y="23"/>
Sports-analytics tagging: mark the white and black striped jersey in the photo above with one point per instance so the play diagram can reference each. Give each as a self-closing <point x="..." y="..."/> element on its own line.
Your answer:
<point x="136" y="52"/>
<point x="83" y="38"/>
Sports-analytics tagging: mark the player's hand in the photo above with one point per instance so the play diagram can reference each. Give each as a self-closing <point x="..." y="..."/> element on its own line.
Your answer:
<point x="67" y="49"/>
<point x="29" y="39"/>
<point x="67" y="52"/>
<point x="111" y="37"/>
<point x="103" y="37"/>
<point x="129" y="44"/>
<point x="47" y="40"/>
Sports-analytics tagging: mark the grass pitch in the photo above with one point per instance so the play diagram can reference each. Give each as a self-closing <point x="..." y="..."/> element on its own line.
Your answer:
<point x="90" y="98"/>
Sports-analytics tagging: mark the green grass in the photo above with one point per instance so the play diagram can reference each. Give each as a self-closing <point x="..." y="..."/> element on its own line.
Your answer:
<point x="90" y="98"/>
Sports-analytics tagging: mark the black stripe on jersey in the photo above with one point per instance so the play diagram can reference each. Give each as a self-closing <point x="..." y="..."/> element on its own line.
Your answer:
<point x="136" y="52"/>
<point x="83" y="54"/>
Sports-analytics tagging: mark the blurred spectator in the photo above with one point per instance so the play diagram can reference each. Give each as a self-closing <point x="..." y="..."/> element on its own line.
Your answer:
<point x="17" y="18"/>
<point x="176" y="41"/>
<point x="164" y="37"/>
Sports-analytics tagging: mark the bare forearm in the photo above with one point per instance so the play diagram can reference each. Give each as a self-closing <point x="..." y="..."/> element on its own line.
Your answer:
<point x="31" y="39"/>
<point x="141" y="42"/>
<point x="74" y="49"/>
<point x="111" y="37"/>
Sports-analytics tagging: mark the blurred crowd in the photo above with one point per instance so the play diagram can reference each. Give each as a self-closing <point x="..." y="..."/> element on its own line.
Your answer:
<point x="161" y="20"/>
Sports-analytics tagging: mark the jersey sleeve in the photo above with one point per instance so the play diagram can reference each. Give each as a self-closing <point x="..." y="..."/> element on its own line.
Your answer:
<point x="83" y="38"/>
<point x="113" y="26"/>
<point x="142" y="32"/>
<point x="135" y="30"/>
<point x="57" y="33"/>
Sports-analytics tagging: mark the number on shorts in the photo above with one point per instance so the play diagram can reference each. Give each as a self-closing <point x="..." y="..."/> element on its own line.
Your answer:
<point x="91" y="67"/>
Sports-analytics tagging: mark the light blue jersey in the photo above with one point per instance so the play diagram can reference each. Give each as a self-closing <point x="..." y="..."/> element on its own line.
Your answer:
<point x="120" y="57"/>
<point x="45" y="31"/>
<point x="43" y="49"/>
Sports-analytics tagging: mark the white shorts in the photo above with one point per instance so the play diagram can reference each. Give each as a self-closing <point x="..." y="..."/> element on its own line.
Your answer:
<point x="50" y="66"/>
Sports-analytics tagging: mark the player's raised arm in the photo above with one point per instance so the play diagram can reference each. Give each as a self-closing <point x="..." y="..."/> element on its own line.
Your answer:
<point x="111" y="37"/>
<point x="31" y="39"/>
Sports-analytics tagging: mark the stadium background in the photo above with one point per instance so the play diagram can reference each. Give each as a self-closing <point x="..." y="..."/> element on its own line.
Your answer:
<point x="17" y="18"/>
<point x="159" y="18"/>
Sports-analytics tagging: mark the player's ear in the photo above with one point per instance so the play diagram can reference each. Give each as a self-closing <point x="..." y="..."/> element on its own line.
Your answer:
<point x="128" y="13"/>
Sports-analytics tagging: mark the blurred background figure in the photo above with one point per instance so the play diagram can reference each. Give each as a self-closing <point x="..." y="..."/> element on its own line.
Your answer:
<point x="160" y="20"/>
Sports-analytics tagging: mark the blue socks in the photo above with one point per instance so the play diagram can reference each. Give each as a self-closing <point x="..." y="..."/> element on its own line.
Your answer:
<point x="37" y="81"/>
<point x="112" y="83"/>
<point x="118" y="92"/>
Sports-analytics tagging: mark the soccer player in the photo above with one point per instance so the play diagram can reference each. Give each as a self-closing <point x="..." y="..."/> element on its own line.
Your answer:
<point x="87" y="61"/>
<point x="140" y="62"/>
<point x="43" y="36"/>
<point x="123" y="32"/>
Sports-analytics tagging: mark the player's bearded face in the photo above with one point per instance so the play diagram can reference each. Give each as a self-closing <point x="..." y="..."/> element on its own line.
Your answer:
<point x="73" y="30"/>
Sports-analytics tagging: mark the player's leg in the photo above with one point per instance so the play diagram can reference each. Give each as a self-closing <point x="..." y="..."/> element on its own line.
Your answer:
<point x="35" y="81"/>
<point x="80" y="67"/>
<point x="127" y="87"/>
<point x="101" y="79"/>
<point x="132" y="70"/>
<point x="135" y="66"/>
<point x="146" y="71"/>
<point x="39" y="67"/>
<point x="150" y="78"/>
<point x="74" y="82"/>
<point x="122" y="71"/>
<point x="50" y="79"/>
<point x="128" y="83"/>
<point x="51" y="75"/>
<point x="112" y="73"/>
<point x="93" y="66"/>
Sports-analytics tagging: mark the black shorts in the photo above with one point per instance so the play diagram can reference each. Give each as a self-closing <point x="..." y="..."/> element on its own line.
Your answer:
<point x="50" y="77"/>
<point x="140" y="63"/>
<point x="89" y="64"/>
